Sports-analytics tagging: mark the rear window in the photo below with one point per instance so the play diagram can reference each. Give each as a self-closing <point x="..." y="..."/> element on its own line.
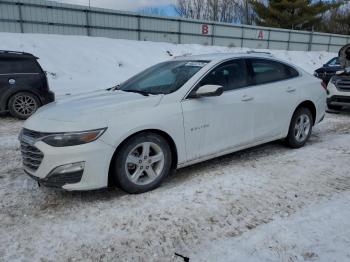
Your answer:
<point x="11" y="66"/>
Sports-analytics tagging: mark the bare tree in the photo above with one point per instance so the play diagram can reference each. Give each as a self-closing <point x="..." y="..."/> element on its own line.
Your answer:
<point x="214" y="10"/>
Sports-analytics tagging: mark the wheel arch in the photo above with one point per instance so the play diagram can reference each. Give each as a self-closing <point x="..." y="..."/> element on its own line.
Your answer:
<point x="165" y="135"/>
<point x="309" y="105"/>
<point x="6" y="106"/>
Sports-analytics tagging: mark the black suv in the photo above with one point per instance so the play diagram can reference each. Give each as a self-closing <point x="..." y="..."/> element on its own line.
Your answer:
<point x="23" y="84"/>
<point x="328" y="70"/>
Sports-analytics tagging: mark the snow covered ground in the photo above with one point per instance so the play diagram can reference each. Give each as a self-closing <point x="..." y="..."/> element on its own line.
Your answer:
<point x="269" y="203"/>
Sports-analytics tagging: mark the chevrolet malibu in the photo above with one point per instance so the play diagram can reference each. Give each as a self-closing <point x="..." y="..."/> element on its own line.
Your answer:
<point x="171" y="115"/>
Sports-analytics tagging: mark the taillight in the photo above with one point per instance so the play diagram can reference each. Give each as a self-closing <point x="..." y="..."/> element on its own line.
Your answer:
<point x="324" y="85"/>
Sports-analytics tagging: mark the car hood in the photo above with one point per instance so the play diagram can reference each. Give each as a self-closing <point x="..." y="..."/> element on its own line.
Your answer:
<point x="88" y="111"/>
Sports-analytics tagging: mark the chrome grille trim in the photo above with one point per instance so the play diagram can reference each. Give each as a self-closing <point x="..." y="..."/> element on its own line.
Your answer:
<point x="343" y="84"/>
<point x="31" y="156"/>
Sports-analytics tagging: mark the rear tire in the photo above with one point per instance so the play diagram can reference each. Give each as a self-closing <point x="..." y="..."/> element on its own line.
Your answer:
<point x="300" y="128"/>
<point x="142" y="163"/>
<point x="334" y="107"/>
<point x="23" y="104"/>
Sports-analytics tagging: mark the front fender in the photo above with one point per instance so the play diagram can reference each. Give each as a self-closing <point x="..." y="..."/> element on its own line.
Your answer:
<point x="161" y="120"/>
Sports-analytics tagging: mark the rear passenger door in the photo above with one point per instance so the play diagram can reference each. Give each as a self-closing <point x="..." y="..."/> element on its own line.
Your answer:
<point x="276" y="94"/>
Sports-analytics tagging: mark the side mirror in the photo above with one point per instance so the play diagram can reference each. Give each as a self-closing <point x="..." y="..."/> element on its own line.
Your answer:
<point x="208" y="90"/>
<point x="325" y="65"/>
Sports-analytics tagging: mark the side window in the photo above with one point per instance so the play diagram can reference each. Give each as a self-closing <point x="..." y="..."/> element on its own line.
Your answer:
<point x="10" y="66"/>
<point x="266" y="71"/>
<point x="230" y="75"/>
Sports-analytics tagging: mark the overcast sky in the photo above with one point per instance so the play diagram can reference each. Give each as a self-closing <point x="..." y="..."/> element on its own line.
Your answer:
<point x="127" y="5"/>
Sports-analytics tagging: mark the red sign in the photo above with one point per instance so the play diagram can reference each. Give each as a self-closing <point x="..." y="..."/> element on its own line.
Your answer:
<point x="205" y="29"/>
<point x="261" y="35"/>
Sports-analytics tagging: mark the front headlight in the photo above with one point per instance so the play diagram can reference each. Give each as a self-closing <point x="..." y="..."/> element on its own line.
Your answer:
<point x="73" y="138"/>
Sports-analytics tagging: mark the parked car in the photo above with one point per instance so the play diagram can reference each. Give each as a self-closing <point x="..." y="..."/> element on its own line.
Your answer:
<point x="23" y="84"/>
<point x="171" y="115"/>
<point x="338" y="89"/>
<point x="328" y="70"/>
<point x="338" y="92"/>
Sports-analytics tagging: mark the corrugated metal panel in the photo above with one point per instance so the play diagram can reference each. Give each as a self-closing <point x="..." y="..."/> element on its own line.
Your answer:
<point x="228" y="31"/>
<point x="298" y="46"/>
<point x="53" y="29"/>
<point x="158" y="25"/>
<point x="50" y="15"/>
<point x="108" y="20"/>
<point x="320" y="39"/>
<point x="10" y="27"/>
<point x="300" y="37"/>
<point x="159" y="37"/>
<point x="334" y="48"/>
<point x="121" y="34"/>
<point x="9" y="11"/>
<point x="278" y="45"/>
<point x="255" y="33"/>
<point x="191" y="28"/>
<point x="316" y="47"/>
<point x="335" y="40"/>
<point x="190" y="39"/>
<point x="255" y="43"/>
<point x="281" y="36"/>
<point x="227" y="42"/>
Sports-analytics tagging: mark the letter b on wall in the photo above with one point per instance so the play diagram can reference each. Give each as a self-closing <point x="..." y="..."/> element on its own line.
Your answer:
<point x="206" y="29"/>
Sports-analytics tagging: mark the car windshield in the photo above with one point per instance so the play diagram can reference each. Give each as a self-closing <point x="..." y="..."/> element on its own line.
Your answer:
<point x="163" y="78"/>
<point x="333" y="61"/>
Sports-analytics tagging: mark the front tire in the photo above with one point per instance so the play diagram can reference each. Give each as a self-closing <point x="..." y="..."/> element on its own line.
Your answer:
<point x="23" y="104"/>
<point x="300" y="128"/>
<point x="142" y="163"/>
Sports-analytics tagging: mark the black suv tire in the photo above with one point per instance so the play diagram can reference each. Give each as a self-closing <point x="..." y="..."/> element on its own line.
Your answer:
<point x="23" y="104"/>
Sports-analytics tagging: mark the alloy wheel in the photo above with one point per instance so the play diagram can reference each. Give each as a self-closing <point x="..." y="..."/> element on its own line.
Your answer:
<point x="144" y="163"/>
<point x="302" y="128"/>
<point x="24" y="105"/>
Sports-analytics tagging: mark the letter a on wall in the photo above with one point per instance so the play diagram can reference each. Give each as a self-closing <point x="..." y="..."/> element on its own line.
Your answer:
<point x="260" y="34"/>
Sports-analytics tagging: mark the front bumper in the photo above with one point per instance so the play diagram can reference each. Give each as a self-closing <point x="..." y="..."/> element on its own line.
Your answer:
<point x="96" y="157"/>
<point x="337" y="97"/>
<point x="57" y="181"/>
<point x="339" y="100"/>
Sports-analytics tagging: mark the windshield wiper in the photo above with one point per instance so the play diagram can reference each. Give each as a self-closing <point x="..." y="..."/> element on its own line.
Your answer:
<point x="144" y="93"/>
<point x="116" y="87"/>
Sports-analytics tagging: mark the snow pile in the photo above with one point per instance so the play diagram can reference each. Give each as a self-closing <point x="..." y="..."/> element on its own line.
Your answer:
<point x="78" y="64"/>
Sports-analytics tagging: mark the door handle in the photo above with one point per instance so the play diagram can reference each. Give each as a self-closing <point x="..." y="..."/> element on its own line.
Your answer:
<point x="291" y="89"/>
<point x="247" y="98"/>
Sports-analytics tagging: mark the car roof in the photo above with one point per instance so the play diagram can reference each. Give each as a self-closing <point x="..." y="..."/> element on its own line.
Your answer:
<point x="224" y="56"/>
<point x="15" y="54"/>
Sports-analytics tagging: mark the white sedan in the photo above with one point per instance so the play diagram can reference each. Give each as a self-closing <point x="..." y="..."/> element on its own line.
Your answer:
<point x="172" y="115"/>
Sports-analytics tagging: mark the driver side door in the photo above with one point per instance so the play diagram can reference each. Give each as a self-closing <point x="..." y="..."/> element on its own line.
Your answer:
<point x="215" y="125"/>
